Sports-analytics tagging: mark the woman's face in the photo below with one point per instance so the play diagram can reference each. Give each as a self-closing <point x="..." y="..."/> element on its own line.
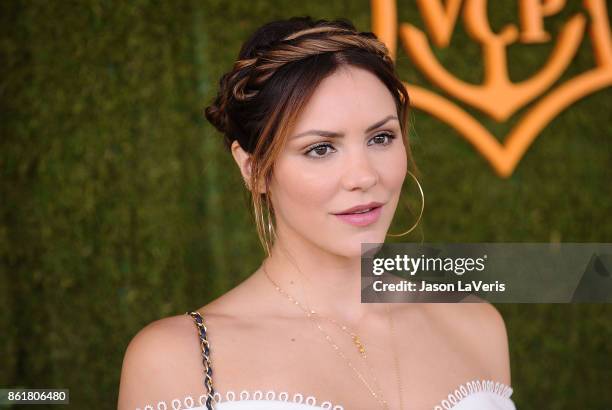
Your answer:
<point x="346" y="150"/>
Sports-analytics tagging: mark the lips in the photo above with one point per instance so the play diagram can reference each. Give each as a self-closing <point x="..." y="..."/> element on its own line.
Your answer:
<point x="361" y="217"/>
<point x="360" y="209"/>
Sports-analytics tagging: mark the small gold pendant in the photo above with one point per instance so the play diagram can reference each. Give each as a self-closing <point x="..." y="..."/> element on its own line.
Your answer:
<point x="359" y="345"/>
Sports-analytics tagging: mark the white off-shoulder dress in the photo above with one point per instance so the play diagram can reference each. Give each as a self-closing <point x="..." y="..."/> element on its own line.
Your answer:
<point x="472" y="395"/>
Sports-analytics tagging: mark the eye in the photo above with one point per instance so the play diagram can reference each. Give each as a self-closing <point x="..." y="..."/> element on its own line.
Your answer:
<point x="384" y="138"/>
<point x="381" y="138"/>
<point x="318" y="149"/>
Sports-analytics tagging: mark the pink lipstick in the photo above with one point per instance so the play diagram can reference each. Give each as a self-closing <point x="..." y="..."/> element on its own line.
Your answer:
<point x="362" y="215"/>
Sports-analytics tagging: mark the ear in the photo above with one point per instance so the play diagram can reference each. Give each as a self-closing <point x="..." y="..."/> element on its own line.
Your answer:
<point x="243" y="159"/>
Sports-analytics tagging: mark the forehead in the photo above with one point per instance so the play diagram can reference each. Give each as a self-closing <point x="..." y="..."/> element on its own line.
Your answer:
<point x="350" y="97"/>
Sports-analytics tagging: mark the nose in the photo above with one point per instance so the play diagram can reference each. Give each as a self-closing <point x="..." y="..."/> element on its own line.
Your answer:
<point x="359" y="170"/>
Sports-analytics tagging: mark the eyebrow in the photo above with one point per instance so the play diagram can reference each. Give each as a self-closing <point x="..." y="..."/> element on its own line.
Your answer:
<point x="332" y="134"/>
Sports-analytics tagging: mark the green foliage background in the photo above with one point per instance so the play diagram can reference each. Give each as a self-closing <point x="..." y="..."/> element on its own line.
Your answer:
<point x="119" y="205"/>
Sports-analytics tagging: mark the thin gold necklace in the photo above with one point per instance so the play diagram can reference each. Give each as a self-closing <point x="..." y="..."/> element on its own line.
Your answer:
<point x="395" y="357"/>
<point x="312" y="314"/>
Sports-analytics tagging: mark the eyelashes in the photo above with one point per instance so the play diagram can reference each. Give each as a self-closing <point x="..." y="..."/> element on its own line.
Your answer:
<point x="322" y="147"/>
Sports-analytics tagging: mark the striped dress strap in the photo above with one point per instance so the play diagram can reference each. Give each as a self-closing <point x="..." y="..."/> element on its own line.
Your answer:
<point x="205" y="346"/>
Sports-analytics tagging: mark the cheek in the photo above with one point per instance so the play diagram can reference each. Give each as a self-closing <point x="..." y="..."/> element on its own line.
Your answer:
<point x="301" y="192"/>
<point x="396" y="168"/>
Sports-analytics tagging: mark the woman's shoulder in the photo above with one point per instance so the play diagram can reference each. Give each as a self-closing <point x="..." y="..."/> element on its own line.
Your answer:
<point x="173" y="336"/>
<point x="164" y="335"/>
<point x="481" y="331"/>
<point x="477" y="317"/>
<point x="159" y="364"/>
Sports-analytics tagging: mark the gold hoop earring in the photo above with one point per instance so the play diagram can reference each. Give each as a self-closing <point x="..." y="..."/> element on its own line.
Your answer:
<point x="271" y="234"/>
<point x="420" y="213"/>
<point x="259" y="218"/>
<point x="271" y="230"/>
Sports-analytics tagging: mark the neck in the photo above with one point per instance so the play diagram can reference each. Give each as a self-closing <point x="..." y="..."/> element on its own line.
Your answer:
<point x="328" y="283"/>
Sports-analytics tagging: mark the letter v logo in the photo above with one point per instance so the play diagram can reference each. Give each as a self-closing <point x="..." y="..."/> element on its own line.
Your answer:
<point x="497" y="96"/>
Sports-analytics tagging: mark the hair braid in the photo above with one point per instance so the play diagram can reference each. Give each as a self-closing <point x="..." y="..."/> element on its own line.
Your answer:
<point x="255" y="71"/>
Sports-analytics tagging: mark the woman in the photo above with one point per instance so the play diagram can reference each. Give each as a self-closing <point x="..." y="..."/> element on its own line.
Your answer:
<point x="315" y="118"/>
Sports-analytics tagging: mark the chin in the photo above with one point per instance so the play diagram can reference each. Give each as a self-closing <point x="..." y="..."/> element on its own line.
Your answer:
<point x="356" y="242"/>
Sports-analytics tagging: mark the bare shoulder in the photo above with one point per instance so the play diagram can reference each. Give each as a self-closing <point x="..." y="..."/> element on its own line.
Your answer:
<point x="482" y="320"/>
<point x="160" y="364"/>
<point x="481" y="330"/>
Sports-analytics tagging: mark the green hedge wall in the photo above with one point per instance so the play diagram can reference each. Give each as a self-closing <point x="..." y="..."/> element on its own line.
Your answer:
<point x="119" y="204"/>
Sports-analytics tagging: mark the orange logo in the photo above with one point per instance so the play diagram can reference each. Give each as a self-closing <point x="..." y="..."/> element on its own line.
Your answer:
<point x="497" y="96"/>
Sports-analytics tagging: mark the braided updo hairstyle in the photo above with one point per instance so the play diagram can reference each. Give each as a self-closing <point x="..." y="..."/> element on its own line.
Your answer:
<point x="278" y="69"/>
